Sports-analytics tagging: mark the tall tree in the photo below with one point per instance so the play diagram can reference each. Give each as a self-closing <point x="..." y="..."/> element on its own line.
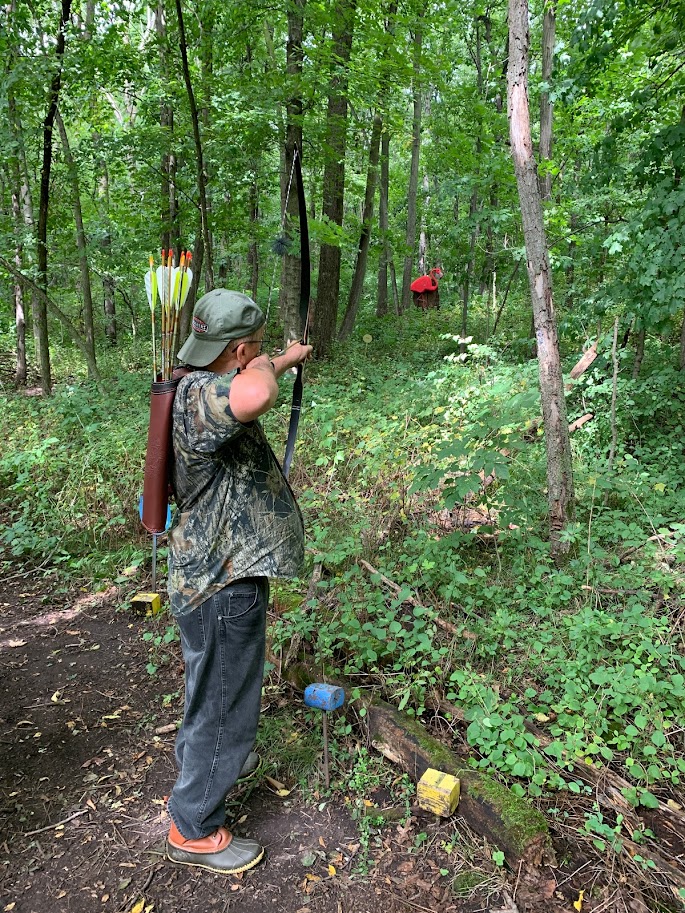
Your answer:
<point x="334" y="174"/>
<point x="20" y="373"/>
<point x="365" y="238"/>
<point x="382" y="293"/>
<point x="560" y="493"/>
<point x="290" y="274"/>
<point x="81" y="246"/>
<point x="410" y="237"/>
<point x="199" y="156"/>
<point x="381" y="116"/>
<point x="546" y="105"/>
<point x="170" y="233"/>
<point x="41" y="317"/>
<point x="108" y="281"/>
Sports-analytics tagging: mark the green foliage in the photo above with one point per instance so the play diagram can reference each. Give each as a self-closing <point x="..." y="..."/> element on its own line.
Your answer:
<point x="158" y="642"/>
<point x="71" y="475"/>
<point x="421" y="452"/>
<point x="532" y="642"/>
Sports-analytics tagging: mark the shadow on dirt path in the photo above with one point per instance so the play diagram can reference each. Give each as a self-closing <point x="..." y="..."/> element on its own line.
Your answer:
<point x="86" y="757"/>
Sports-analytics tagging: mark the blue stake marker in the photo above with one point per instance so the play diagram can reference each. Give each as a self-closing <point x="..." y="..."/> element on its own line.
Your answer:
<point x="154" y="541"/>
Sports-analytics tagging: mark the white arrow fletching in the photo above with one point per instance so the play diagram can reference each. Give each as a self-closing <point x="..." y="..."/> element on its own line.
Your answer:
<point x="185" y="287"/>
<point x="151" y="288"/>
<point x="162" y="284"/>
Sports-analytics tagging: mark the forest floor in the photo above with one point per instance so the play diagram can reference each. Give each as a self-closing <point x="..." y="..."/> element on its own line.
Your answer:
<point x="86" y="758"/>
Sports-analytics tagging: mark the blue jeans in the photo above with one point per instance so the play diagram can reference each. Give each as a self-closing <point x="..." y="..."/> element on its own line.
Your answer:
<point x="223" y="643"/>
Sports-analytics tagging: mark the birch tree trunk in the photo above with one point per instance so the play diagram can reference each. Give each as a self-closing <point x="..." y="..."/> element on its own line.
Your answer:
<point x="546" y="107"/>
<point x="334" y="175"/>
<point x="86" y="289"/>
<point x="560" y="492"/>
<point x="414" y="172"/>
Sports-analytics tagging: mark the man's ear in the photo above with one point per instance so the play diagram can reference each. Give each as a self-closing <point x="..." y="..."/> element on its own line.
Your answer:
<point x="242" y="354"/>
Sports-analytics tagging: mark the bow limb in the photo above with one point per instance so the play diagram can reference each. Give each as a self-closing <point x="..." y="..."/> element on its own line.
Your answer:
<point x="305" y="286"/>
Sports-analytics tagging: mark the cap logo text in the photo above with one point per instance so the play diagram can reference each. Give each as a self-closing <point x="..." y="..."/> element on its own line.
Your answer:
<point x="199" y="326"/>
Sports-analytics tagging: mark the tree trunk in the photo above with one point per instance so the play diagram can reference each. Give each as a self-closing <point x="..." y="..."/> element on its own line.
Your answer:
<point x="500" y="310"/>
<point x="384" y="188"/>
<point x="466" y="290"/>
<point x="559" y="470"/>
<point x="382" y="296"/>
<point x="253" y="250"/>
<point x="639" y="352"/>
<point x="29" y="222"/>
<point x="41" y="318"/>
<point x="20" y="373"/>
<point x="25" y="200"/>
<point x="474" y="206"/>
<point x="291" y="268"/>
<point x="206" y="21"/>
<point x="546" y="106"/>
<point x="365" y="238"/>
<point x="414" y="172"/>
<point x="108" y="283"/>
<point x="199" y="158"/>
<point x="334" y="175"/>
<point x="395" y="292"/>
<point x="81" y="247"/>
<point x="166" y="123"/>
<point x="187" y="309"/>
<point x="15" y="179"/>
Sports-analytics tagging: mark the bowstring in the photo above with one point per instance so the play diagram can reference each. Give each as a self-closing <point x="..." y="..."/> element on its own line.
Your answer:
<point x="284" y="218"/>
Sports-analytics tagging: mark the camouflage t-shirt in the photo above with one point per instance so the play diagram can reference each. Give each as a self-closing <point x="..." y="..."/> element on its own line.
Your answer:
<point x="236" y="514"/>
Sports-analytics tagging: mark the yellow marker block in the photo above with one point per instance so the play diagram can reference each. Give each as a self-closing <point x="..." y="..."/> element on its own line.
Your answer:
<point x="438" y="792"/>
<point x="146" y="603"/>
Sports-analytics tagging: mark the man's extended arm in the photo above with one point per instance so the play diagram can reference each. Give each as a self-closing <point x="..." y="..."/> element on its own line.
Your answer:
<point x="255" y="389"/>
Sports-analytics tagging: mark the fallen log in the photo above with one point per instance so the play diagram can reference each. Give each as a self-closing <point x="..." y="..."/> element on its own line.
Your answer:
<point x="488" y="807"/>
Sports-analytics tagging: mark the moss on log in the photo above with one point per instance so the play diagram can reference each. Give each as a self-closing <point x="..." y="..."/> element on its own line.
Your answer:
<point x="488" y="807"/>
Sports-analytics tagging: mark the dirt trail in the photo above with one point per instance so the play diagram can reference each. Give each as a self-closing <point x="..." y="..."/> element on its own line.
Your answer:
<point x="85" y="762"/>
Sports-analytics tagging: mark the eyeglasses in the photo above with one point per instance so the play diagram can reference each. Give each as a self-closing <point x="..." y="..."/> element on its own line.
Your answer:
<point x="244" y="342"/>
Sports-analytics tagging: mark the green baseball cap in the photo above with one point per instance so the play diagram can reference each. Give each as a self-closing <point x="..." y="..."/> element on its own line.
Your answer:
<point x="219" y="317"/>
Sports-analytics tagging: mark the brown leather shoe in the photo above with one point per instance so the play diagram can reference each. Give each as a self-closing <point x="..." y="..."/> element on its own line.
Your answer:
<point x="219" y="852"/>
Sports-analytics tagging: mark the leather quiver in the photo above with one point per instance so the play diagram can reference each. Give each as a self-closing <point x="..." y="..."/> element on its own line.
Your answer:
<point x="159" y="455"/>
